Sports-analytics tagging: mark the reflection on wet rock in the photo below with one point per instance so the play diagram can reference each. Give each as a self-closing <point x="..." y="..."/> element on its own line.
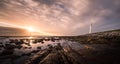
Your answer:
<point x="56" y="55"/>
<point x="53" y="50"/>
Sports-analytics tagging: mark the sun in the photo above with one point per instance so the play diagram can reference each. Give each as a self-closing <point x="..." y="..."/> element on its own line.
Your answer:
<point x="31" y="29"/>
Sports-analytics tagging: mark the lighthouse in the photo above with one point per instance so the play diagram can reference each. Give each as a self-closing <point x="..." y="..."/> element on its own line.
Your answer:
<point x="90" y="28"/>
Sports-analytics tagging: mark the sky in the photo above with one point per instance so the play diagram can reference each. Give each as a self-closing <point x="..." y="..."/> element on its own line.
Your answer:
<point x="61" y="17"/>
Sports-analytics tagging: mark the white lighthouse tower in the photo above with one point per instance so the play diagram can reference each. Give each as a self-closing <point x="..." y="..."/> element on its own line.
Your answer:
<point x="90" y="28"/>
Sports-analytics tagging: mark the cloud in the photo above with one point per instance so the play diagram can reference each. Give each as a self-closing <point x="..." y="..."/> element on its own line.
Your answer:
<point x="62" y="17"/>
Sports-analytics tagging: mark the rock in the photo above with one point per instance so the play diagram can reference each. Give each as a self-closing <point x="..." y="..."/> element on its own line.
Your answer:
<point x="56" y="55"/>
<point x="7" y="52"/>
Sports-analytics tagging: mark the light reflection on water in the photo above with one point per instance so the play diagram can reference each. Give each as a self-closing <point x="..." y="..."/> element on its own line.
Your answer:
<point x="30" y="46"/>
<point x="21" y="48"/>
<point x="34" y="46"/>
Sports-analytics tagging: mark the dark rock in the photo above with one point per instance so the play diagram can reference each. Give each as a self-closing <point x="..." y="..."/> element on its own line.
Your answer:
<point x="7" y="52"/>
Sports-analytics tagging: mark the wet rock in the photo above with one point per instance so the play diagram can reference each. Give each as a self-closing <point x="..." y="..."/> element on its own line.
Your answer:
<point x="19" y="46"/>
<point x="28" y="54"/>
<point x="7" y="61"/>
<point x="38" y="57"/>
<point x="56" y="55"/>
<point x="49" y="46"/>
<point x="9" y="46"/>
<point x="21" y="60"/>
<point x="35" y="51"/>
<point x="35" y="41"/>
<point x="1" y="45"/>
<point x="25" y="47"/>
<point x="7" y="52"/>
<point x="52" y="58"/>
<point x="74" y="56"/>
<point x="39" y="47"/>
<point x="27" y="44"/>
<point x="0" y="42"/>
<point x="47" y="39"/>
<point x="29" y="47"/>
<point x="42" y="42"/>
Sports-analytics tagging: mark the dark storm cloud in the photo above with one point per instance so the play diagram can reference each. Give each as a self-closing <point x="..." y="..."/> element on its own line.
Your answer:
<point x="63" y="17"/>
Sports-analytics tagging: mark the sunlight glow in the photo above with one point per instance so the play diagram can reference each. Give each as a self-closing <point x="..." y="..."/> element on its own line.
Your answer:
<point x="30" y="37"/>
<point x="30" y="29"/>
